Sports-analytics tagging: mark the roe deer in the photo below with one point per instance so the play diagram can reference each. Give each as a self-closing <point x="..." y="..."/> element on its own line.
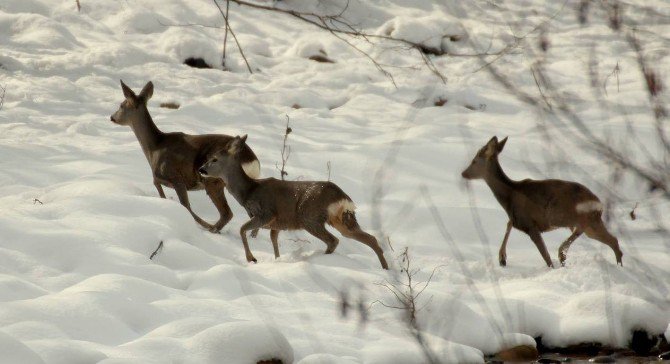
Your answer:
<point x="175" y="157"/>
<point x="538" y="206"/>
<point x="288" y="205"/>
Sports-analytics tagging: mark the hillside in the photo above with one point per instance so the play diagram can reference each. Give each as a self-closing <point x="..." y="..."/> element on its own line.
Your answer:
<point x="80" y="215"/>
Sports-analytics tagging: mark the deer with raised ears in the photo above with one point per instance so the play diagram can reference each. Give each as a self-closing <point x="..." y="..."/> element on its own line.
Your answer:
<point x="175" y="157"/>
<point x="538" y="206"/>
<point x="288" y="205"/>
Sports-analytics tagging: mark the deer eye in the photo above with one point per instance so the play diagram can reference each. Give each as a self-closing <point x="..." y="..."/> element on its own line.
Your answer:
<point x="214" y="160"/>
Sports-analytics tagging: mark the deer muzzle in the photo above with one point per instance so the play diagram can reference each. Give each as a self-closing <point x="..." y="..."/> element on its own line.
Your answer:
<point x="202" y="171"/>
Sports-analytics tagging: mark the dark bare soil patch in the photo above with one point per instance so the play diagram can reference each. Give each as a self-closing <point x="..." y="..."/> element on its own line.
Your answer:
<point x="196" y="62"/>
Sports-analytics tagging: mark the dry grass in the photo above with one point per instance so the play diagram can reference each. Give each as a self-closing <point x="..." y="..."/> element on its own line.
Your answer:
<point x="170" y="105"/>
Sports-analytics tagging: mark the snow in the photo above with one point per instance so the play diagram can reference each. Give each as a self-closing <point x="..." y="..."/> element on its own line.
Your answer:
<point x="434" y="31"/>
<point x="80" y="215"/>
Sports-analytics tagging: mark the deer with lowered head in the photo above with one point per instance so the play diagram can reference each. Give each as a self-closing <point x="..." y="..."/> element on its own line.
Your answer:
<point x="174" y="158"/>
<point x="535" y="207"/>
<point x="287" y="205"/>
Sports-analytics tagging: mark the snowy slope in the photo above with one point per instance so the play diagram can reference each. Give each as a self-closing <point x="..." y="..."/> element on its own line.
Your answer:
<point x="76" y="283"/>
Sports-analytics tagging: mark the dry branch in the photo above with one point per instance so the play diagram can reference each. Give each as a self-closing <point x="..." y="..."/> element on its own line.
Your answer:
<point x="158" y="249"/>
<point x="285" y="150"/>
<point x="339" y="27"/>
<point x="229" y="29"/>
<point x="3" y="89"/>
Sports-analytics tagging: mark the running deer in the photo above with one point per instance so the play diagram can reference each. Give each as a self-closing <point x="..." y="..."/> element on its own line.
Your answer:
<point x="287" y="205"/>
<point x="174" y="158"/>
<point x="538" y="206"/>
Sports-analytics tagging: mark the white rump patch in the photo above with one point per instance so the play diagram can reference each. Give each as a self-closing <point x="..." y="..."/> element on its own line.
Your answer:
<point x="252" y="169"/>
<point x="589" y="206"/>
<point x="341" y="205"/>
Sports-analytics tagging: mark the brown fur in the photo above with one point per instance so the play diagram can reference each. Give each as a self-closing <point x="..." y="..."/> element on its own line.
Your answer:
<point x="174" y="158"/>
<point x="535" y="207"/>
<point x="288" y="205"/>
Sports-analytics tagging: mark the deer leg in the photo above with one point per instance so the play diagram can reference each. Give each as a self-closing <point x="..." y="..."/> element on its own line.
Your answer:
<point x="599" y="232"/>
<point x="350" y="229"/>
<point x="182" y="194"/>
<point x="256" y="222"/>
<point x="368" y="240"/>
<point x="254" y="232"/>
<point x="502" y="254"/>
<point x="215" y="191"/>
<point x="539" y="243"/>
<point x="159" y="187"/>
<point x="274" y="234"/>
<point x="563" y="249"/>
<point x="319" y="231"/>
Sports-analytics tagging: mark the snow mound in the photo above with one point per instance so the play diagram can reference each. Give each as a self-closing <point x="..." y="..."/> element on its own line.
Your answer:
<point x="239" y="342"/>
<point x="35" y="31"/>
<point x="307" y="47"/>
<point x="14" y="351"/>
<point x="80" y="215"/>
<point x="434" y="32"/>
<point x="180" y="44"/>
<point x="327" y="358"/>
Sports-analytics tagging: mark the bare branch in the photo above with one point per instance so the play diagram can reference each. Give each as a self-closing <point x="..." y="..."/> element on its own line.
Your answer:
<point x="339" y="27"/>
<point x="229" y="29"/>
<point x="225" y="36"/>
<point x="285" y="150"/>
<point x="2" y="96"/>
<point x="158" y="249"/>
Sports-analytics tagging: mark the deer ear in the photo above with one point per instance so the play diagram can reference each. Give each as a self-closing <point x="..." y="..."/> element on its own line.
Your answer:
<point x="147" y="92"/>
<point x="236" y="144"/>
<point x="127" y="92"/>
<point x="243" y="138"/>
<point x="491" y="147"/>
<point x="501" y="144"/>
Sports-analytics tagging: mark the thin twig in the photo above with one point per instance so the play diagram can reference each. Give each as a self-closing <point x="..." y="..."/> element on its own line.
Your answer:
<point x="2" y="96"/>
<point x="159" y="248"/>
<point x="225" y="36"/>
<point x="615" y="72"/>
<point x="225" y="17"/>
<point x="285" y="150"/>
<point x="406" y="292"/>
<point x="338" y="26"/>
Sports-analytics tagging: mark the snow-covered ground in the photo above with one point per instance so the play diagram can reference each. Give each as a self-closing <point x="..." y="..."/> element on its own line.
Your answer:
<point x="79" y="214"/>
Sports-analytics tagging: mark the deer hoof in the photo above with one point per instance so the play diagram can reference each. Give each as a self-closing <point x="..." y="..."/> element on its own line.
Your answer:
<point x="502" y="260"/>
<point x="252" y="260"/>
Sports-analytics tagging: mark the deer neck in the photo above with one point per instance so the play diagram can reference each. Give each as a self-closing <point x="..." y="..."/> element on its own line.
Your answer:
<point x="147" y="133"/>
<point x="501" y="185"/>
<point x="240" y="185"/>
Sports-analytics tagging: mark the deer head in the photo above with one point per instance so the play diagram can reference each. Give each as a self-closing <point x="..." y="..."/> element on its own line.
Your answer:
<point x="224" y="162"/>
<point x="134" y="106"/>
<point x="485" y="159"/>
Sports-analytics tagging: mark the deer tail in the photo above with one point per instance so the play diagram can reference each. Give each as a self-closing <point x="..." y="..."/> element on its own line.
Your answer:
<point x="342" y="215"/>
